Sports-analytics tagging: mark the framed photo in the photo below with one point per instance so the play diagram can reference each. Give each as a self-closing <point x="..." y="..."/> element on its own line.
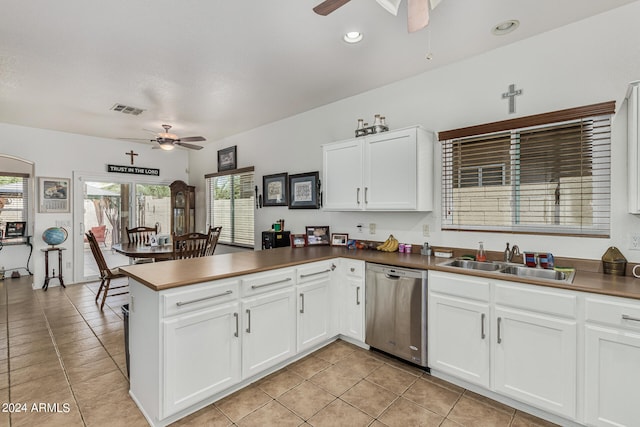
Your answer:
<point x="298" y="240"/>
<point x="55" y="194"/>
<point x="339" y="239"/>
<point x="317" y="235"/>
<point x="15" y="229"/>
<point x="303" y="191"/>
<point x="227" y="159"/>
<point x="275" y="189"/>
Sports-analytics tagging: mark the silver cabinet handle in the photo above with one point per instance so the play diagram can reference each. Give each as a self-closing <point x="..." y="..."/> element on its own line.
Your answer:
<point x="271" y="283"/>
<point x="366" y="190"/>
<point x="358" y="195"/>
<point x="499" y="323"/>
<point x="482" y="334"/>
<point x="627" y="317"/>
<point x="248" y="321"/>
<point x="358" y="295"/>
<point x="302" y="303"/>
<point x="302" y="276"/>
<point x="352" y="269"/>
<point x="237" y="324"/>
<point x="181" y="303"/>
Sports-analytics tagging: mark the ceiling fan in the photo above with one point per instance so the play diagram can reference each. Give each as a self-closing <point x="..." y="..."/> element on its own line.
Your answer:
<point x="168" y="141"/>
<point x="417" y="10"/>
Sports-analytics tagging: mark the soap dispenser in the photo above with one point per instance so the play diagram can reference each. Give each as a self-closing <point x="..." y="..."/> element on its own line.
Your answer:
<point x="481" y="255"/>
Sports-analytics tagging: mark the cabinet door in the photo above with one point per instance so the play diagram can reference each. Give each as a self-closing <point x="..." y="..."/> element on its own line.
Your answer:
<point x="269" y="335"/>
<point x="535" y="359"/>
<point x="353" y="308"/>
<point x="314" y="314"/>
<point x="202" y="356"/>
<point x="459" y="340"/>
<point x="390" y="179"/>
<point x="612" y="369"/>
<point x="342" y="176"/>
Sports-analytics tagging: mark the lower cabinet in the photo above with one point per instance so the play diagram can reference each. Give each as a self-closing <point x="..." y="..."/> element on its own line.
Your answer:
<point x="314" y="314"/>
<point x="612" y="362"/>
<point x="201" y="355"/>
<point x="352" y="297"/>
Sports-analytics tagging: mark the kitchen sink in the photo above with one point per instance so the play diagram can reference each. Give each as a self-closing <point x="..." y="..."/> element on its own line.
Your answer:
<point x="505" y="269"/>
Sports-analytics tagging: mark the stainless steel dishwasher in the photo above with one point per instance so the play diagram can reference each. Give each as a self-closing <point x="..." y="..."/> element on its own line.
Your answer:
<point x="396" y="311"/>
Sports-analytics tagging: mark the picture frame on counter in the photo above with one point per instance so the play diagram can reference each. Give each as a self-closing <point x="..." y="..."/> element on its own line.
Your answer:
<point x="298" y="240"/>
<point x="275" y="189"/>
<point x="339" y="239"/>
<point x="317" y="235"/>
<point x="15" y="229"/>
<point x="304" y="191"/>
<point x="228" y="158"/>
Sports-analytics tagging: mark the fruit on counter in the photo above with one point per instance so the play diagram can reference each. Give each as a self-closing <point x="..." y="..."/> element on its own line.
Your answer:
<point x="389" y="245"/>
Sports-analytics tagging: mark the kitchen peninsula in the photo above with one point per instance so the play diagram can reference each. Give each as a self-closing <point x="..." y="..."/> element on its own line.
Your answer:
<point x="203" y="328"/>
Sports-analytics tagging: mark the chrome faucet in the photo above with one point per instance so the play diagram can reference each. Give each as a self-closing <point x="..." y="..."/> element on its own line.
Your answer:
<point x="514" y="251"/>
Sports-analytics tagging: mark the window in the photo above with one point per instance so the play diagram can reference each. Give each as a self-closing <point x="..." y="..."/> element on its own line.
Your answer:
<point x="231" y="201"/>
<point x="14" y="198"/>
<point x="548" y="174"/>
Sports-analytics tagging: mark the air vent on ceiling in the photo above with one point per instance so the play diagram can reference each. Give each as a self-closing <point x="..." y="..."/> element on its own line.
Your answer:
<point x="127" y="109"/>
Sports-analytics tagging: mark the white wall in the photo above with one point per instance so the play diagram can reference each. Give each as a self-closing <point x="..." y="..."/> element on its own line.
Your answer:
<point x="58" y="154"/>
<point x="584" y="63"/>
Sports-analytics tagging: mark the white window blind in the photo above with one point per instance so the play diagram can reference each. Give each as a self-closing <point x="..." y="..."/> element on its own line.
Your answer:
<point x="14" y="198"/>
<point x="548" y="178"/>
<point x="231" y="197"/>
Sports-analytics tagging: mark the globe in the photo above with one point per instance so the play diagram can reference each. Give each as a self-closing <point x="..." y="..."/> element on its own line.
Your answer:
<point x="54" y="235"/>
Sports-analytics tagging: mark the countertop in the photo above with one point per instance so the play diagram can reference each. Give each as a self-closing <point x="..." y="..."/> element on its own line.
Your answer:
<point x="163" y="275"/>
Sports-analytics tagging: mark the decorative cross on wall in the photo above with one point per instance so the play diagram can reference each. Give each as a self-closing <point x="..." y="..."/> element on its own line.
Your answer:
<point x="512" y="97"/>
<point x="131" y="153"/>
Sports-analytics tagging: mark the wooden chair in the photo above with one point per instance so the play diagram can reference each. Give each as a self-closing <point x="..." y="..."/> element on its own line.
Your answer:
<point x="191" y="245"/>
<point x="140" y="235"/>
<point x="214" y="235"/>
<point x="106" y="273"/>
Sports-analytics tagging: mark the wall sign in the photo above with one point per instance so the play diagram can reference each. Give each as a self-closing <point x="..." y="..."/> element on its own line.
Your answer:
<point x="133" y="170"/>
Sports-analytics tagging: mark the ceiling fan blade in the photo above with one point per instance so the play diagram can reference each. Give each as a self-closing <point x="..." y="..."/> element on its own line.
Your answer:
<point x="328" y="6"/>
<point x="418" y="14"/>
<point x="138" y="139"/>
<point x="193" y="139"/>
<point x="191" y="146"/>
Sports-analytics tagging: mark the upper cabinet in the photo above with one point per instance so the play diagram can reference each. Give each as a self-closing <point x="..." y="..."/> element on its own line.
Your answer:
<point x="390" y="171"/>
<point x="633" y="154"/>
<point x="183" y="208"/>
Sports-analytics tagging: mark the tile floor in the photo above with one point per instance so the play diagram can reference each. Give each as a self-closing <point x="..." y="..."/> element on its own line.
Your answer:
<point x="58" y="348"/>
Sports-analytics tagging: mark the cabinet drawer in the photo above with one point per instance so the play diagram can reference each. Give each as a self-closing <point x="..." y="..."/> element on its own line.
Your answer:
<point x="315" y="271"/>
<point x="264" y="282"/>
<point x="199" y="296"/>
<point x="354" y="268"/>
<point x="459" y="285"/>
<point x="612" y="312"/>
<point x="535" y="298"/>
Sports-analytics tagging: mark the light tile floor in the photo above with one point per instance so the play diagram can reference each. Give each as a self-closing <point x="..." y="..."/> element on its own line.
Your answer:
<point x="58" y="348"/>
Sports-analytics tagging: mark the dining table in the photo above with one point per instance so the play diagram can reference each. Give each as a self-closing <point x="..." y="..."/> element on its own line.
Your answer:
<point x="134" y="251"/>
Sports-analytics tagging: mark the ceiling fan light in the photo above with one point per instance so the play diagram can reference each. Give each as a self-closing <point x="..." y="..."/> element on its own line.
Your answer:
<point x="168" y="146"/>
<point x="353" y="37"/>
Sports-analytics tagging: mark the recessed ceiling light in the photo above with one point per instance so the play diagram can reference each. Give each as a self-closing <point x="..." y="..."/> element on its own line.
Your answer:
<point x="352" y="37"/>
<point x="505" y="27"/>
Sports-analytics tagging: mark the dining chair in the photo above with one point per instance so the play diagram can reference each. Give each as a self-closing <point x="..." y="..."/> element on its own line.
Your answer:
<point x="191" y="245"/>
<point x="106" y="273"/>
<point x="140" y="236"/>
<point x="214" y="235"/>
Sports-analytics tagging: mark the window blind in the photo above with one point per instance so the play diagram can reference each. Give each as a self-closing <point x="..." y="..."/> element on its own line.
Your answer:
<point x="231" y="201"/>
<point x="14" y="197"/>
<point x="551" y="179"/>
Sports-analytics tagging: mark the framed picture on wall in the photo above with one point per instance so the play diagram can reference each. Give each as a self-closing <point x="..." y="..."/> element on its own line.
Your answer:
<point x="227" y="159"/>
<point x="275" y="189"/>
<point x="303" y="191"/>
<point x="54" y="195"/>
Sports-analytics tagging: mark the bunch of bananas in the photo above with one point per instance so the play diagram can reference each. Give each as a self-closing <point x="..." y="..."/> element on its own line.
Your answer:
<point x="389" y="245"/>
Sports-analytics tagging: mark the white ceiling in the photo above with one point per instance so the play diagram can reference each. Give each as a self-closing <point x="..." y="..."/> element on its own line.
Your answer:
<point x="219" y="67"/>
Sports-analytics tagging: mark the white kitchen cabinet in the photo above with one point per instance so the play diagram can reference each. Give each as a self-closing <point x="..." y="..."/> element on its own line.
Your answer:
<point x="269" y="320"/>
<point x="633" y="147"/>
<point x="315" y="311"/>
<point x="352" y="296"/>
<point x="459" y="336"/>
<point x="390" y="171"/>
<point x="201" y="355"/>
<point x="612" y="362"/>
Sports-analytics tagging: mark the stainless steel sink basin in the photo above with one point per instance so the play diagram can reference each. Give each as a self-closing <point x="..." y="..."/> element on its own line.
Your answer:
<point x="505" y="269"/>
<point x="473" y="265"/>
